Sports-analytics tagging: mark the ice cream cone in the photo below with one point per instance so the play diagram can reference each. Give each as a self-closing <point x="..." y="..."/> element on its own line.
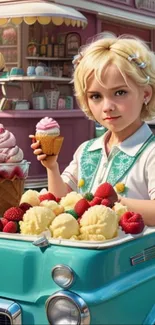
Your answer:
<point x="50" y="145"/>
<point x="10" y="193"/>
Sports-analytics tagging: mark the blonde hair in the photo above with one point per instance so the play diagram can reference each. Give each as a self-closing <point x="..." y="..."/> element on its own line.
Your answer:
<point x="133" y="58"/>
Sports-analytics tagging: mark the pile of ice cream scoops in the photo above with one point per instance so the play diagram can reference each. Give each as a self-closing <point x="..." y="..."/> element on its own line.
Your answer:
<point x="91" y="216"/>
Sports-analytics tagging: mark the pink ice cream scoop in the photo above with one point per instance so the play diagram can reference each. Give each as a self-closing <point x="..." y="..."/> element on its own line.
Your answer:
<point x="48" y="125"/>
<point x="9" y="151"/>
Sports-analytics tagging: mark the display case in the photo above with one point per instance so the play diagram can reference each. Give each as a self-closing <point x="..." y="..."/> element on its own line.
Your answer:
<point x="10" y="45"/>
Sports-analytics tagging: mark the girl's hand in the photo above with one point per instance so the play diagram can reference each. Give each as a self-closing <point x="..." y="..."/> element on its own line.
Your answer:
<point x="48" y="162"/>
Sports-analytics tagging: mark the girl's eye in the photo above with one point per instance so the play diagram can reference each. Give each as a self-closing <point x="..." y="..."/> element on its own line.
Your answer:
<point x="95" y="96"/>
<point x="120" y="92"/>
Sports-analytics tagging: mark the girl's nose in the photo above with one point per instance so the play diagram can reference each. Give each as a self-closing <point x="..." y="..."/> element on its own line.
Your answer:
<point x="108" y="105"/>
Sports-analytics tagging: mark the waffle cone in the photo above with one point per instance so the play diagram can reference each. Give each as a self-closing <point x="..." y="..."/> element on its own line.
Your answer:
<point x="10" y="193"/>
<point x="50" y="145"/>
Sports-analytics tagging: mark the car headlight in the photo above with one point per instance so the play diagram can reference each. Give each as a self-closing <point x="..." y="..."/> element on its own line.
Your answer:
<point x="63" y="276"/>
<point x="67" y="308"/>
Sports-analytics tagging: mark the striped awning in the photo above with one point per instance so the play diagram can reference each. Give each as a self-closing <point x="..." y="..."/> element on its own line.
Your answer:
<point x="43" y="11"/>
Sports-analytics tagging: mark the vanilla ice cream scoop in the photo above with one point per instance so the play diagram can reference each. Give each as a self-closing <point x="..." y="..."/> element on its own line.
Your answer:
<point x="120" y="209"/>
<point x="36" y="220"/>
<point x="99" y="220"/>
<point x="64" y="226"/>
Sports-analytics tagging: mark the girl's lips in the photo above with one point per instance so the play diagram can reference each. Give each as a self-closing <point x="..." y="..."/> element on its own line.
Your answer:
<point x="111" y="118"/>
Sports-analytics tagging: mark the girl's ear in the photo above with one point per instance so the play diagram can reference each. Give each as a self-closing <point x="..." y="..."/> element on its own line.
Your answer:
<point x="147" y="93"/>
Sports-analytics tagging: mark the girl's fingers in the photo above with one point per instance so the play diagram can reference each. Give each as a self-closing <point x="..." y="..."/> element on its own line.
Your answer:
<point x="41" y="157"/>
<point x="37" y="152"/>
<point x="32" y="137"/>
<point x="35" y="145"/>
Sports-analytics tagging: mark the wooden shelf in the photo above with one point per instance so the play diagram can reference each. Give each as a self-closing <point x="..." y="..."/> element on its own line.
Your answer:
<point x="11" y="63"/>
<point x="33" y="79"/>
<point x="33" y="113"/>
<point x="8" y="46"/>
<point x="44" y="58"/>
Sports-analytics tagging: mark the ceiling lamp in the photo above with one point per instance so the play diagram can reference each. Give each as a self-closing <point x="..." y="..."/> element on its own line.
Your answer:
<point x="43" y="11"/>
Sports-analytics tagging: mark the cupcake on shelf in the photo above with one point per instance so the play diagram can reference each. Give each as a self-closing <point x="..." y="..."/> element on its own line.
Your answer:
<point x="48" y="134"/>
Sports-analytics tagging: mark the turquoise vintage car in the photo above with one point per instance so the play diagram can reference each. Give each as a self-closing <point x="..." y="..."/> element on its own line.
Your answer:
<point x="51" y="281"/>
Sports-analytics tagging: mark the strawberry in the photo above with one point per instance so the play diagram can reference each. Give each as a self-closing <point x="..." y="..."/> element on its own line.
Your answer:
<point x="10" y="227"/>
<point x="81" y="206"/>
<point x="25" y="206"/>
<point x="47" y="196"/>
<point x="57" y="199"/>
<point x="107" y="202"/>
<point x="96" y="201"/>
<point x="4" y="221"/>
<point x="1" y="225"/>
<point x="106" y="190"/>
<point x="14" y="214"/>
<point x="132" y="223"/>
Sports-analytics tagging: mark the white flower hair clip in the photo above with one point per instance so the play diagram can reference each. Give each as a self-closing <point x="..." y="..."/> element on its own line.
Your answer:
<point x="77" y="59"/>
<point x="141" y="65"/>
<point x="135" y="57"/>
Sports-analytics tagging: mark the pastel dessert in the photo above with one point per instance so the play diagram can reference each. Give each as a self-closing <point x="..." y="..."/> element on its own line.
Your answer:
<point x="48" y="133"/>
<point x="13" y="170"/>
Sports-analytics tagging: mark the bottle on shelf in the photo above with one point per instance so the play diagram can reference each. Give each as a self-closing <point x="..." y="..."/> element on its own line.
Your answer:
<point x="43" y="46"/>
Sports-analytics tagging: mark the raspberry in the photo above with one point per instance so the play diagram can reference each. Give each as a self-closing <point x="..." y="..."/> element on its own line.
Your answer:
<point x="81" y="206"/>
<point x="47" y="196"/>
<point x="17" y="172"/>
<point x="10" y="227"/>
<point x="25" y="206"/>
<point x="107" y="202"/>
<point x="96" y="201"/>
<point x="14" y="214"/>
<point x="4" y="174"/>
<point x="132" y="223"/>
<point x="1" y="225"/>
<point x="4" y="221"/>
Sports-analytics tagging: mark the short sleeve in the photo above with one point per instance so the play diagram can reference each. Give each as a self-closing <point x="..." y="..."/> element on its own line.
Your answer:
<point x="150" y="174"/>
<point x="70" y="174"/>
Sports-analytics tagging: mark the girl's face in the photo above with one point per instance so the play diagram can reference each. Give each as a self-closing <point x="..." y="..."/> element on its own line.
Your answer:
<point x="116" y="105"/>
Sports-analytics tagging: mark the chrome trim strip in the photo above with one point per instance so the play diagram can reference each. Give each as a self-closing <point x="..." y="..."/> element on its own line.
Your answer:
<point x="41" y="242"/>
<point x="146" y="255"/>
<point x="77" y="300"/>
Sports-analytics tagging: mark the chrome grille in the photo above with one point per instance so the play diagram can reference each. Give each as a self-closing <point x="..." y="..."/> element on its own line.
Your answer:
<point x="146" y="255"/>
<point x="10" y="312"/>
<point x="4" y="319"/>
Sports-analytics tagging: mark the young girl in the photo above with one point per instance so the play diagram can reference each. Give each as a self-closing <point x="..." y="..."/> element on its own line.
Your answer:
<point x="114" y="82"/>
